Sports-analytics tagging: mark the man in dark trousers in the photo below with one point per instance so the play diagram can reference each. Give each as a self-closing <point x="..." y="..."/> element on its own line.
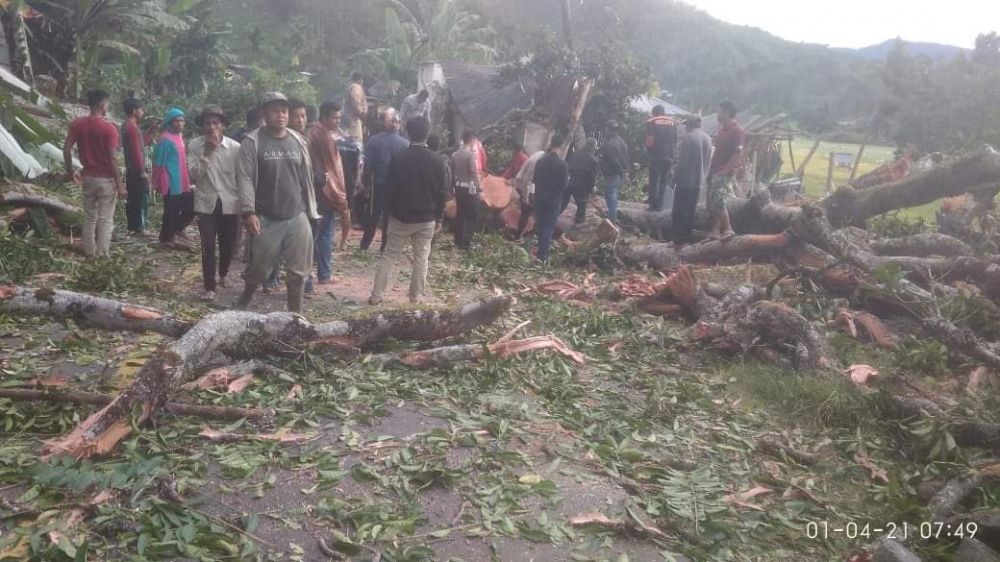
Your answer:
<point x="661" y="143"/>
<point x="465" y="171"/>
<point x="136" y="176"/>
<point x="415" y="195"/>
<point x="614" y="166"/>
<point x="583" y="167"/>
<point x="379" y="152"/>
<point x="551" y="177"/>
<point x="692" y="171"/>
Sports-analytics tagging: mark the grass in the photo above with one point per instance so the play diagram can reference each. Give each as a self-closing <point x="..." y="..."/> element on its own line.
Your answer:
<point x="814" y="179"/>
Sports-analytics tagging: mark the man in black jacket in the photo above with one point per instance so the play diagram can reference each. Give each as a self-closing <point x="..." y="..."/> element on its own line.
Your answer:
<point x="583" y="168"/>
<point x="614" y="166"/>
<point x="414" y="200"/>
<point x="551" y="177"/>
<point x="661" y="142"/>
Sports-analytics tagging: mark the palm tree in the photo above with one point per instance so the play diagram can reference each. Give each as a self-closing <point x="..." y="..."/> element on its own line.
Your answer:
<point x="76" y="34"/>
<point x="421" y="30"/>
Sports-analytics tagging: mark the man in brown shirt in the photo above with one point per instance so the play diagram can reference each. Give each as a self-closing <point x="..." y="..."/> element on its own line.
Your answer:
<point x="331" y="190"/>
<point x="726" y="158"/>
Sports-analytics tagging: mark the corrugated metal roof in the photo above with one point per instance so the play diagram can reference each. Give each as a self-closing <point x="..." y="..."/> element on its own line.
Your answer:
<point x="478" y="97"/>
<point x="645" y="104"/>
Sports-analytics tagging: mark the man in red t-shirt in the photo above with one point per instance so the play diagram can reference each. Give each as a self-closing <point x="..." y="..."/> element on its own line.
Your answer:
<point x="97" y="140"/>
<point x="726" y="158"/>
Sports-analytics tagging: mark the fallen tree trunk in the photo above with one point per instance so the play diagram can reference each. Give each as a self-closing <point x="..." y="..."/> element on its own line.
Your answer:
<point x="739" y="249"/>
<point x="978" y="172"/>
<point x="88" y="310"/>
<point x="178" y="408"/>
<point x="922" y="245"/>
<point x="222" y="338"/>
<point x="24" y="195"/>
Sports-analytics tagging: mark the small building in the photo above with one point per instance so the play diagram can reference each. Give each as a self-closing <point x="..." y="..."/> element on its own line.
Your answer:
<point x="474" y="96"/>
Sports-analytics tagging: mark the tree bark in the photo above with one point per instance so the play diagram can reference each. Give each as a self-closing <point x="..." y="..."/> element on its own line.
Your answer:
<point x="178" y="408"/>
<point x="20" y="194"/>
<point x="220" y="339"/>
<point x="756" y="247"/>
<point x="89" y="311"/>
<point x="921" y="245"/>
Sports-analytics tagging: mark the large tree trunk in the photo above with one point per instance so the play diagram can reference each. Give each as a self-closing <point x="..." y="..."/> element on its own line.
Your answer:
<point x="220" y="339"/>
<point x="977" y="173"/>
<point x="756" y="247"/>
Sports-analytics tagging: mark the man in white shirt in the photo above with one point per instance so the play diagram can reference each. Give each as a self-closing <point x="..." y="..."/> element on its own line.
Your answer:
<point x="212" y="161"/>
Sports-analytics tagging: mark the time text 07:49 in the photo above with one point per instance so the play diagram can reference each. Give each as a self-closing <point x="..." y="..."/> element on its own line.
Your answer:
<point x="900" y="531"/>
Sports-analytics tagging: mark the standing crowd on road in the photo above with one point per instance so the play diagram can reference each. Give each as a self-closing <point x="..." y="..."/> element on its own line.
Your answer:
<point x="280" y="183"/>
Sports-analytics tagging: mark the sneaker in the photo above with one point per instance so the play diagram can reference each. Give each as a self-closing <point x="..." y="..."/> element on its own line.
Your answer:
<point x="223" y="282"/>
<point x="208" y="296"/>
<point x="266" y="290"/>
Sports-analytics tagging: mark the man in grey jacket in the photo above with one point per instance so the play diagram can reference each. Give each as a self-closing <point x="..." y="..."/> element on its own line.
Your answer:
<point x="274" y="176"/>
<point x="692" y="171"/>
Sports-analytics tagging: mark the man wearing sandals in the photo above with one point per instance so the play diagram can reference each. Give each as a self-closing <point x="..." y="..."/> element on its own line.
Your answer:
<point x="728" y="143"/>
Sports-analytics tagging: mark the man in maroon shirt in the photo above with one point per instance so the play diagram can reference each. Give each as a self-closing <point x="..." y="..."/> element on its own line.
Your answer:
<point x="136" y="176"/>
<point x="726" y="157"/>
<point x="97" y="140"/>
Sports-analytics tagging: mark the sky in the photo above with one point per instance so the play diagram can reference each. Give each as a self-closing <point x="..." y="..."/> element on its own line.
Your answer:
<point x="859" y="23"/>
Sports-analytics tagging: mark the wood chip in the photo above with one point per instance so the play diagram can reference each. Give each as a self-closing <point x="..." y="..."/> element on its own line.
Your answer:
<point x="136" y="313"/>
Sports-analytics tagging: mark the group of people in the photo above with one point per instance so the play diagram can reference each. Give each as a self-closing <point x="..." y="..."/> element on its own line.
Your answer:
<point x="681" y="164"/>
<point x="287" y="176"/>
<point x="284" y="183"/>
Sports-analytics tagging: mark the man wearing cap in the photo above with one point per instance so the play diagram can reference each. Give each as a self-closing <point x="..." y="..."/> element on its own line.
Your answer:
<point x="97" y="140"/>
<point x="170" y="176"/>
<point x="216" y="198"/>
<point x="274" y="178"/>
<point x="692" y="170"/>
<point x="614" y="166"/>
<point x="379" y="152"/>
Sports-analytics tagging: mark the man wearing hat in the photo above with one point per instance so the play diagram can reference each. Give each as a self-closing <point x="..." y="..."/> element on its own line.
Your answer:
<point x="614" y="166"/>
<point x="277" y="201"/>
<point x="170" y="176"/>
<point x="216" y="198"/>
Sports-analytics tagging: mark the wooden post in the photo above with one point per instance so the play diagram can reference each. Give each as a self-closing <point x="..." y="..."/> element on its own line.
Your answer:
<point x="857" y="161"/>
<point x="791" y="156"/>
<point x="829" y="173"/>
<point x="802" y="168"/>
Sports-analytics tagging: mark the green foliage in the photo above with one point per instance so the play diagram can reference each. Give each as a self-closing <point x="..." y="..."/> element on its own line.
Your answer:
<point x="922" y="356"/>
<point x="944" y="105"/>
<point x="895" y="225"/>
<point x="22" y="258"/>
<point x="117" y="273"/>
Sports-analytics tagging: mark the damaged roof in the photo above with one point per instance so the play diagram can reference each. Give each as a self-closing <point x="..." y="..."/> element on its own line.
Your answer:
<point x="479" y="98"/>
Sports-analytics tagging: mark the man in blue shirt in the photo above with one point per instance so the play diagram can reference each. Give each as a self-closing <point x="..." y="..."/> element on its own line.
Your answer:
<point x="379" y="152"/>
